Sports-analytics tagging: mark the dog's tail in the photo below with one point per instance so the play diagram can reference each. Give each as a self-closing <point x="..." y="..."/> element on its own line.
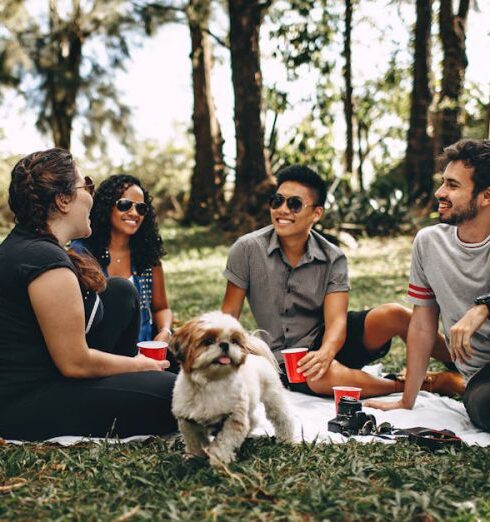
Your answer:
<point x="256" y="346"/>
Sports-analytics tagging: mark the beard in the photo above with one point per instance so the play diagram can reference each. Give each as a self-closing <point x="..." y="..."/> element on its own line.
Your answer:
<point x="461" y="216"/>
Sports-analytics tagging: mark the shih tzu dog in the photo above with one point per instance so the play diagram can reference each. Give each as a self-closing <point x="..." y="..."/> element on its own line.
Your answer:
<point x="225" y="373"/>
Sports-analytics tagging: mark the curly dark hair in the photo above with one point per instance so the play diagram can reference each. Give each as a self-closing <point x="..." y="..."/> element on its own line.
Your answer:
<point x="146" y="245"/>
<point x="475" y="154"/>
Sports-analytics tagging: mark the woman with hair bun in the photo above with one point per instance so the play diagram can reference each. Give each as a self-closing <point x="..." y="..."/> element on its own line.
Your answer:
<point x="126" y="242"/>
<point x="68" y="356"/>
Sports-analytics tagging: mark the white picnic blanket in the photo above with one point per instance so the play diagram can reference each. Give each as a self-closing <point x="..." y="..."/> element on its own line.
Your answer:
<point x="311" y="416"/>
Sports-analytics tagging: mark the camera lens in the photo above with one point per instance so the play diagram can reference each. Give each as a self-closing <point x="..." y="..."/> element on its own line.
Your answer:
<point x="349" y="405"/>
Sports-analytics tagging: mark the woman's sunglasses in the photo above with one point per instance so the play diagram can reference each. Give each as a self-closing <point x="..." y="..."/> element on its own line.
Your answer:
<point x="294" y="203"/>
<point x="88" y="185"/>
<point x="123" y="205"/>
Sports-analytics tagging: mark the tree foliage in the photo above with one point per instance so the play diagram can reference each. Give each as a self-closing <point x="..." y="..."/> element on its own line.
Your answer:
<point x="64" y="61"/>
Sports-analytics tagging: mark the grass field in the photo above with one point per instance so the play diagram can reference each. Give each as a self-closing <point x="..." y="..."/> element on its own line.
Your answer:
<point x="270" y="482"/>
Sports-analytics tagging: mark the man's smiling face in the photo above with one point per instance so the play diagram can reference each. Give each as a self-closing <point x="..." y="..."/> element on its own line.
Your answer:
<point x="289" y="224"/>
<point x="457" y="204"/>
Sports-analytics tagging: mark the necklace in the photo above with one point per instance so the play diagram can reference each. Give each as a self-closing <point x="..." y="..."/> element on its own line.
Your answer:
<point x="117" y="259"/>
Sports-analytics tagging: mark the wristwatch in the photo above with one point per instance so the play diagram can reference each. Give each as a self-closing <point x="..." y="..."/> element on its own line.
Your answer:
<point x="483" y="299"/>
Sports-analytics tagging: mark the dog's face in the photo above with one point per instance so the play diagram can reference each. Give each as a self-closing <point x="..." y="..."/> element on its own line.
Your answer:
<point x="212" y="345"/>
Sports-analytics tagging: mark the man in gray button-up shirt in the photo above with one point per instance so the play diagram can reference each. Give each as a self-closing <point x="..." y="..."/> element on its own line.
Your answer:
<point x="297" y="286"/>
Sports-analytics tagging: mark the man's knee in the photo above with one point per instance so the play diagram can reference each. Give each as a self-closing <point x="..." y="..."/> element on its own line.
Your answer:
<point x="395" y="313"/>
<point x="331" y="378"/>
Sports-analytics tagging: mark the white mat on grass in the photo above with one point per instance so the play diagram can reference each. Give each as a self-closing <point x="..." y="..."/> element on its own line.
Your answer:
<point x="311" y="416"/>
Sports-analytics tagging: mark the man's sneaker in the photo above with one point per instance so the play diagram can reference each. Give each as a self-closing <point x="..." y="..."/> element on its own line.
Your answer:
<point x="444" y="383"/>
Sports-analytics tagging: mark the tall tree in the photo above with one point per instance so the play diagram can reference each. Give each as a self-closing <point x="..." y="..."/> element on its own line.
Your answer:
<point x="347" y="95"/>
<point x="419" y="158"/>
<point x="65" y="80"/>
<point x="206" y="201"/>
<point x="61" y="71"/>
<point x="253" y="181"/>
<point x="452" y="32"/>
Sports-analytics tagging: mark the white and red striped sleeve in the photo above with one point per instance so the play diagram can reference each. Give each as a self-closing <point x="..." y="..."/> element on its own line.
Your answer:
<point x="419" y="292"/>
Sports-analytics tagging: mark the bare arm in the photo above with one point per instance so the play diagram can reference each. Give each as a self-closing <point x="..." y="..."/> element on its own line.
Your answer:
<point x="422" y="333"/>
<point x="162" y="314"/>
<point x="316" y="363"/>
<point x="233" y="300"/>
<point x="57" y="303"/>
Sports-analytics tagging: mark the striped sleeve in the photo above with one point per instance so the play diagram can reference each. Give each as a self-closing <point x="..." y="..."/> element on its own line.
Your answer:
<point x="419" y="292"/>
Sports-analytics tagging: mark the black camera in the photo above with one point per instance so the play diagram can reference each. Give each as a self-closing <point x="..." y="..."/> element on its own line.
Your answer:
<point x="351" y="420"/>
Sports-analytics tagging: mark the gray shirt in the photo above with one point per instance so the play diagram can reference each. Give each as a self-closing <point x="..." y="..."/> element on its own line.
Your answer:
<point x="448" y="273"/>
<point x="286" y="302"/>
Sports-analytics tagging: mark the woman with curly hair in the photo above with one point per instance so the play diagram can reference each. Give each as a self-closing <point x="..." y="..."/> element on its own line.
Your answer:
<point x="68" y="355"/>
<point x="126" y="243"/>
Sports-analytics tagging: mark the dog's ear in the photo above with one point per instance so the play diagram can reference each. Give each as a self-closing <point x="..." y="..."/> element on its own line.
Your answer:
<point x="175" y="347"/>
<point x="256" y="346"/>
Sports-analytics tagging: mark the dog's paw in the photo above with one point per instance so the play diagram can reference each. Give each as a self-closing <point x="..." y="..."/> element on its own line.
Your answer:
<point x="285" y="432"/>
<point x="196" y="452"/>
<point x="219" y="457"/>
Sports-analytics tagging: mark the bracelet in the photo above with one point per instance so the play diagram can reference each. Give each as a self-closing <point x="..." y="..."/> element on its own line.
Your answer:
<point x="165" y="329"/>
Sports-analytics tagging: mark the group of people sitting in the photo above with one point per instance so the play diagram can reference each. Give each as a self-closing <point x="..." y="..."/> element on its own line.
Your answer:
<point x="81" y="282"/>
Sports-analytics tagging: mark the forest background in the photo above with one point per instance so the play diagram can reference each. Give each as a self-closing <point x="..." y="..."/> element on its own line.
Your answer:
<point x="366" y="92"/>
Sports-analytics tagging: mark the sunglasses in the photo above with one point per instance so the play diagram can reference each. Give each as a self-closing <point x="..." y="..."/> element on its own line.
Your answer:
<point x="294" y="203"/>
<point x="123" y="205"/>
<point x="88" y="185"/>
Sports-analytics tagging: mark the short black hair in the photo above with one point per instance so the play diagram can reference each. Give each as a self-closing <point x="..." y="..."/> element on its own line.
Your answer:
<point x="475" y="154"/>
<point x="307" y="177"/>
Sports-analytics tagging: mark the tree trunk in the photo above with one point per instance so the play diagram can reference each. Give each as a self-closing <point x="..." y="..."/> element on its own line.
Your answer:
<point x="63" y="73"/>
<point x="486" y="122"/>
<point x="453" y="37"/>
<point x="419" y="159"/>
<point x="347" y="72"/>
<point x="206" y="201"/>
<point x="248" y="208"/>
<point x="361" y="155"/>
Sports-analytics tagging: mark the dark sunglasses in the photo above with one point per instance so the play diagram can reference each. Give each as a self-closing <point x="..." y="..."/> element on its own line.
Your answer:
<point x="294" y="203"/>
<point x="88" y="185"/>
<point x="123" y="205"/>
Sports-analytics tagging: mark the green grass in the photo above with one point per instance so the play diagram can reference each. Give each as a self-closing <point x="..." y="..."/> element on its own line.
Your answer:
<point x="269" y="482"/>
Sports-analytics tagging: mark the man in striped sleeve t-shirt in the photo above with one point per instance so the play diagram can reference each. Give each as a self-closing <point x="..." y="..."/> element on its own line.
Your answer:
<point x="450" y="279"/>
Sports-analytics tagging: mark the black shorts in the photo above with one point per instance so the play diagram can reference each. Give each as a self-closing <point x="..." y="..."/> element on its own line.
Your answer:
<point x="353" y="354"/>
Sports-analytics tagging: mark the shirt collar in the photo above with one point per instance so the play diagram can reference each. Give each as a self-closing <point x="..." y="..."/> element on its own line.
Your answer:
<point x="313" y="250"/>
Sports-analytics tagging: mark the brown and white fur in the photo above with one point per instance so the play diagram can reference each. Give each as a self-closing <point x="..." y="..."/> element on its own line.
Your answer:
<point x="225" y="373"/>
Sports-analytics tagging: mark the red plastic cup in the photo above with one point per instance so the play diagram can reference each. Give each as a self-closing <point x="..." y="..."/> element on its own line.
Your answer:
<point x="345" y="391"/>
<point x="291" y="357"/>
<point x="153" y="349"/>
